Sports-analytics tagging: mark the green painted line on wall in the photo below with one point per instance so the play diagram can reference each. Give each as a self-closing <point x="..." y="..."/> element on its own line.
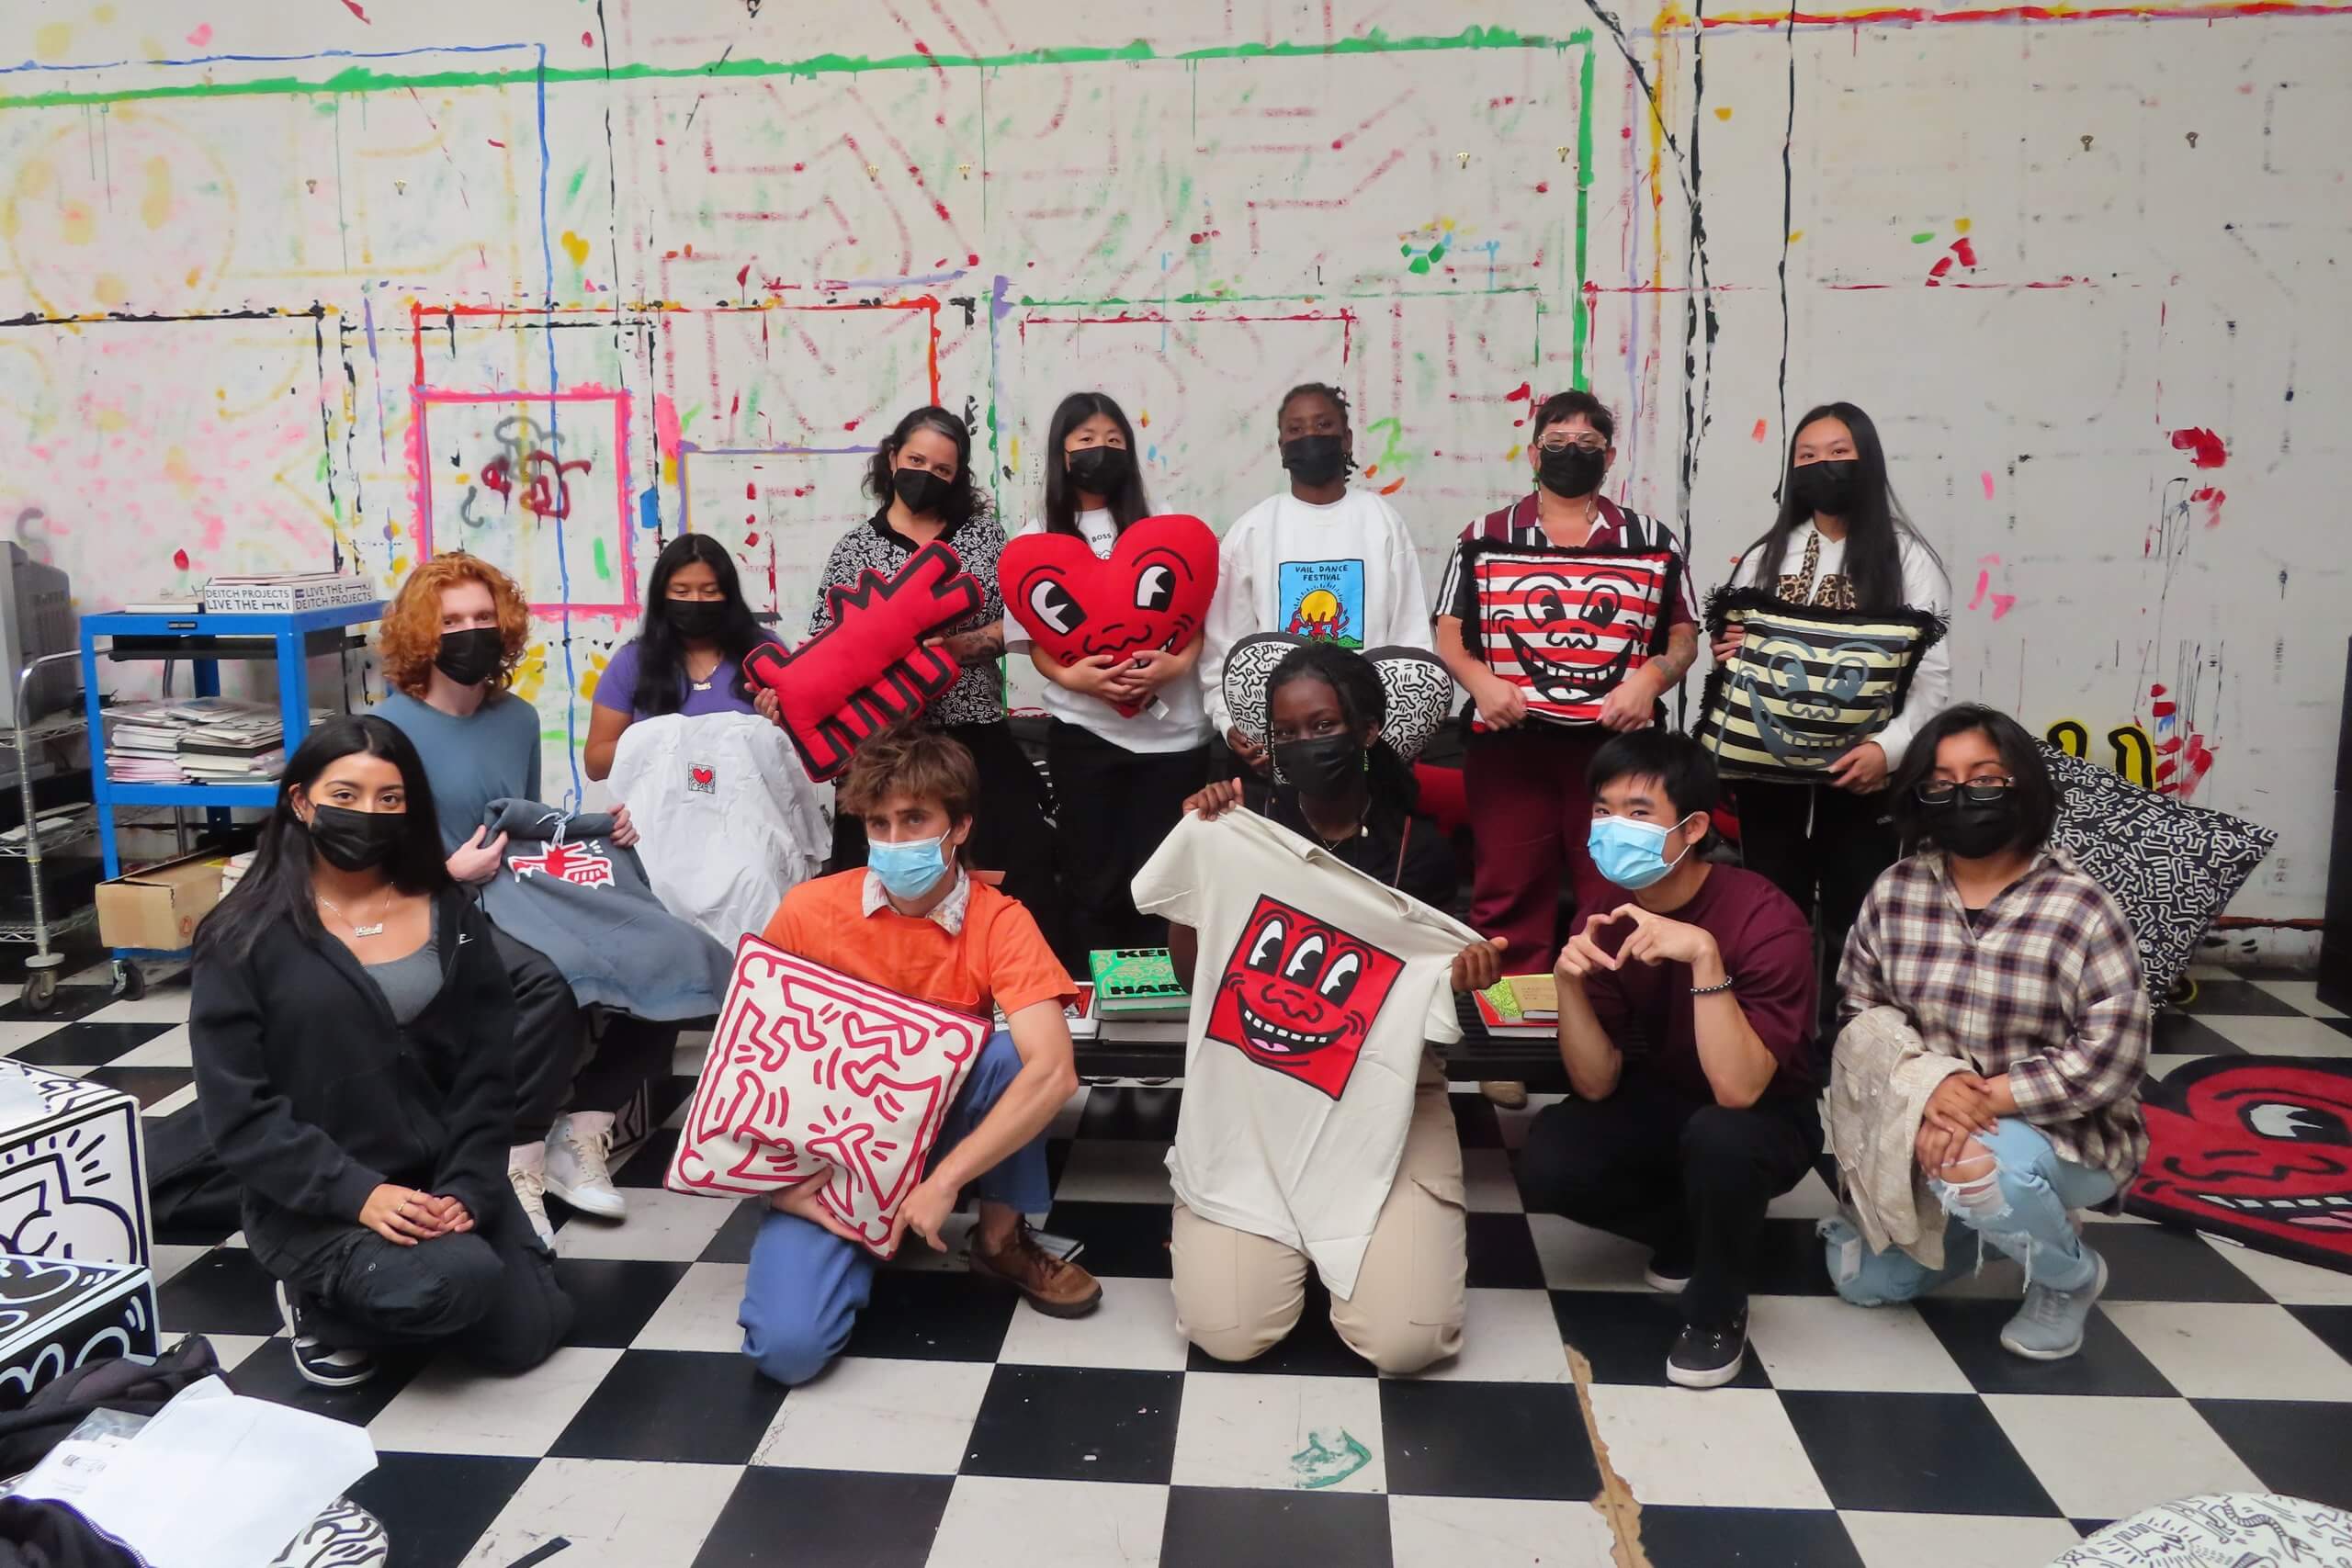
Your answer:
<point x="367" y="79"/>
<point x="1583" y="329"/>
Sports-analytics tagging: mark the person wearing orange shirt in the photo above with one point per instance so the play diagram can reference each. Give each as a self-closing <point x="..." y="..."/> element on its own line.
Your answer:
<point x="913" y="919"/>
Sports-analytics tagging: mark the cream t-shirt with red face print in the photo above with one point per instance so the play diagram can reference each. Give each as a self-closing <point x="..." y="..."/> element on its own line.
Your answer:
<point x="1317" y="992"/>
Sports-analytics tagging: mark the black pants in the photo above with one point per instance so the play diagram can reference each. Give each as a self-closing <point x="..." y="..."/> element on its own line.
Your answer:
<point x="548" y="1037"/>
<point x="1010" y="832"/>
<point x="1823" y="847"/>
<point x="491" y="1294"/>
<point x="1689" y="1180"/>
<point x="1112" y="806"/>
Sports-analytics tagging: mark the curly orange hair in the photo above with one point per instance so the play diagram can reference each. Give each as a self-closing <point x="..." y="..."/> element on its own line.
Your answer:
<point x="411" y="630"/>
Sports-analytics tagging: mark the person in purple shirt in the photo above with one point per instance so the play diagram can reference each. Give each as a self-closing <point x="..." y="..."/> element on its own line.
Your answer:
<point x="687" y="658"/>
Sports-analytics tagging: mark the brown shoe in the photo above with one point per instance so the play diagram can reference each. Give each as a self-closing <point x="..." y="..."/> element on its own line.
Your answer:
<point x="1055" y="1287"/>
<point x="1505" y="1094"/>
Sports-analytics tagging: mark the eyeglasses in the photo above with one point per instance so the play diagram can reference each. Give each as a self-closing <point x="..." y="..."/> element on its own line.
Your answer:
<point x="1976" y="792"/>
<point x="1582" y="443"/>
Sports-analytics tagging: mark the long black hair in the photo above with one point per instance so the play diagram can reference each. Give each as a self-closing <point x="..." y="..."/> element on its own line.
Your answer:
<point x="965" y="501"/>
<point x="1876" y="526"/>
<point x="1127" y="503"/>
<point x="2035" y="791"/>
<point x="1363" y="702"/>
<point x="277" y="887"/>
<point x="662" y="652"/>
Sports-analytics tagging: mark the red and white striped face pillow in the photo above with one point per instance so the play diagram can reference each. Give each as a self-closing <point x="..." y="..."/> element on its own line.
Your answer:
<point x="1569" y="627"/>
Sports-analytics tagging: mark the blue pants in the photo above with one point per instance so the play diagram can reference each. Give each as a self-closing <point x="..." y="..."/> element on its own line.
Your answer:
<point x="808" y="1285"/>
<point x="2020" y="1209"/>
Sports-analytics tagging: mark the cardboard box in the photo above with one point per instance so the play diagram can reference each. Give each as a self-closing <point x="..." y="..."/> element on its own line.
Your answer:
<point x="157" y="908"/>
<point x="55" y="1316"/>
<point x="73" y="1169"/>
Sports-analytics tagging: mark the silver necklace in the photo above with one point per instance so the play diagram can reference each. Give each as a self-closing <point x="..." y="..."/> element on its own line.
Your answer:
<point x="704" y="684"/>
<point x="358" y="930"/>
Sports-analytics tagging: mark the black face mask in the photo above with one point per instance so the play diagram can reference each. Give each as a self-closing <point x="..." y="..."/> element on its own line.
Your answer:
<point x="1324" y="768"/>
<point x="1974" y="828"/>
<point x="924" y="491"/>
<point x="695" y="618"/>
<point x="355" y="840"/>
<point x="1831" y="487"/>
<point x="1315" y="459"/>
<point x="1572" y="471"/>
<point x="1100" y="470"/>
<point x="469" y="658"/>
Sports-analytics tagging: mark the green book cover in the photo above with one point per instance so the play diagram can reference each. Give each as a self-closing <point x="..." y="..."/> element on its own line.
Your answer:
<point x="1132" y="979"/>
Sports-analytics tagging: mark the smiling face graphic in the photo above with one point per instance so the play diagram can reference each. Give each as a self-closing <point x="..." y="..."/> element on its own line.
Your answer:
<point x="1151" y="592"/>
<point x="1809" y="704"/>
<point x="1573" y="629"/>
<point x="1299" y="996"/>
<point x="2260" y="1146"/>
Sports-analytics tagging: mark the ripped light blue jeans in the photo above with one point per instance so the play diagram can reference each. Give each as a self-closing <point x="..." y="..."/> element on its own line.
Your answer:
<point x="2018" y="1208"/>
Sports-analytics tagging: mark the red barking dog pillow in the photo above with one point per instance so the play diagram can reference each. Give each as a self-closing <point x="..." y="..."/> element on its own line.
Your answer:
<point x="1152" y="593"/>
<point x="869" y="669"/>
<point x="815" y="1076"/>
<point x="1567" y="626"/>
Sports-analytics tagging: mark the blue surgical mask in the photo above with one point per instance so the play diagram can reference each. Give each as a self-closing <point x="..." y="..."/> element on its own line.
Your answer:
<point x="909" y="868"/>
<point x="1631" y="854"/>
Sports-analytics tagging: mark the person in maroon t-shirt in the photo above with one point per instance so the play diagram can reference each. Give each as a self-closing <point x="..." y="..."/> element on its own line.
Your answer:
<point x="1686" y="1025"/>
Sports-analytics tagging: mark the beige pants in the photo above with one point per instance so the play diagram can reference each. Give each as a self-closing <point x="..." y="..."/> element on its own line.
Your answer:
<point x="1238" y="1294"/>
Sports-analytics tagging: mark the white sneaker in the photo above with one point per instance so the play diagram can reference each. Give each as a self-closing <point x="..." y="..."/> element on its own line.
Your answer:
<point x="576" y="1169"/>
<point x="526" y="1170"/>
<point x="315" y="1360"/>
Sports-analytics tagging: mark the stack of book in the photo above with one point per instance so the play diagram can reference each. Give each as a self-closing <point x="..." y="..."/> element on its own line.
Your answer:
<point x="235" y="871"/>
<point x="198" y="740"/>
<point x="1137" y="984"/>
<point x="284" y="592"/>
<point x="240" y="746"/>
<point x="143" y="744"/>
<point x="1521" y="1006"/>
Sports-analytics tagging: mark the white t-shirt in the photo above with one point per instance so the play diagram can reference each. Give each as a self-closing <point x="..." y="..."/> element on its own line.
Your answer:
<point x="1310" y="1015"/>
<point x="1925" y="587"/>
<point x="1347" y="571"/>
<point x="1176" y="722"/>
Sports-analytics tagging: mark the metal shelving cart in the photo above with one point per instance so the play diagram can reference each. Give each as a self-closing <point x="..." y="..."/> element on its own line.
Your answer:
<point x="205" y="642"/>
<point x="18" y="742"/>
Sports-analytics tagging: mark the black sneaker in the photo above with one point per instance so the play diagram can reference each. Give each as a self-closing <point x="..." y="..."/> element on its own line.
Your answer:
<point x="318" y="1361"/>
<point x="1668" y="1272"/>
<point x="1709" y="1358"/>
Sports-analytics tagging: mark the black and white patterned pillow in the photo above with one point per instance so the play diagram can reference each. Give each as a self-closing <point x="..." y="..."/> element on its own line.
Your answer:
<point x="1418" y="689"/>
<point x="2172" y="866"/>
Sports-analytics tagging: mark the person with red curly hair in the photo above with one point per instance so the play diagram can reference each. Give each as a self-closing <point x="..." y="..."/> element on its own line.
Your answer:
<point x="449" y="647"/>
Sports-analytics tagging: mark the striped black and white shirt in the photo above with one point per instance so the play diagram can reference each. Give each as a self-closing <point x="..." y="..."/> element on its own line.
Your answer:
<point x="1517" y="526"/>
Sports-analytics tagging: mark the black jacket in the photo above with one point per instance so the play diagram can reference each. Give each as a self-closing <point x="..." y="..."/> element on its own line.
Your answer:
<point x="314" y="1095"/>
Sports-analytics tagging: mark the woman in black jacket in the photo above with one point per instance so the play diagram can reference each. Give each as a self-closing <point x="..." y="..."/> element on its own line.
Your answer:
<point x="353" y="1034"/>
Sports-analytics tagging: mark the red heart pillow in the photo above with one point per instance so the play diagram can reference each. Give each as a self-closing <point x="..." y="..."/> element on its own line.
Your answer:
<point x="1152" y="592"/>
<point x="869" y="669"/>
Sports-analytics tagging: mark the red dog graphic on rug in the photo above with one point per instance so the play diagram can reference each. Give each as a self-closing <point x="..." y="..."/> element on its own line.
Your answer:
<point x="1299" y="996"/>
<point x="2258" y="1148"/>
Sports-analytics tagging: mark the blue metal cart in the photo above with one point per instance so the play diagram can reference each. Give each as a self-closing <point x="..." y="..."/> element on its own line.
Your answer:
<point x="205" y="642"/>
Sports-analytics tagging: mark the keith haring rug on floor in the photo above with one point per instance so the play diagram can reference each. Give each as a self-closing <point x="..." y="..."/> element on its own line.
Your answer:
<point x="2254" y="1148"/>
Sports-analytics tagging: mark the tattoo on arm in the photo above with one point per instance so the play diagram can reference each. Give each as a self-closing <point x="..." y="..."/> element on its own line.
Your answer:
<point x="1682" y="650"/>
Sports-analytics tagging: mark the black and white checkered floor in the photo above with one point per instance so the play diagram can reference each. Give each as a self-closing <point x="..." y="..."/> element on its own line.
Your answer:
<point x="963" y="1430"/>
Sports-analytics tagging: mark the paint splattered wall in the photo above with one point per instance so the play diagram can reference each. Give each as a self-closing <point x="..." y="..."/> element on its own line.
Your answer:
<point x="288" y="282"/>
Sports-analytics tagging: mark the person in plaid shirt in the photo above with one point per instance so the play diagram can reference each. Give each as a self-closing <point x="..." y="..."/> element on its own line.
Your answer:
<point x="2001" y="951"/>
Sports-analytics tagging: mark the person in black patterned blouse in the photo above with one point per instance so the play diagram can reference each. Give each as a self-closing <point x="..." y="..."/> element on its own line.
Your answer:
<point x="923" y="477"/>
